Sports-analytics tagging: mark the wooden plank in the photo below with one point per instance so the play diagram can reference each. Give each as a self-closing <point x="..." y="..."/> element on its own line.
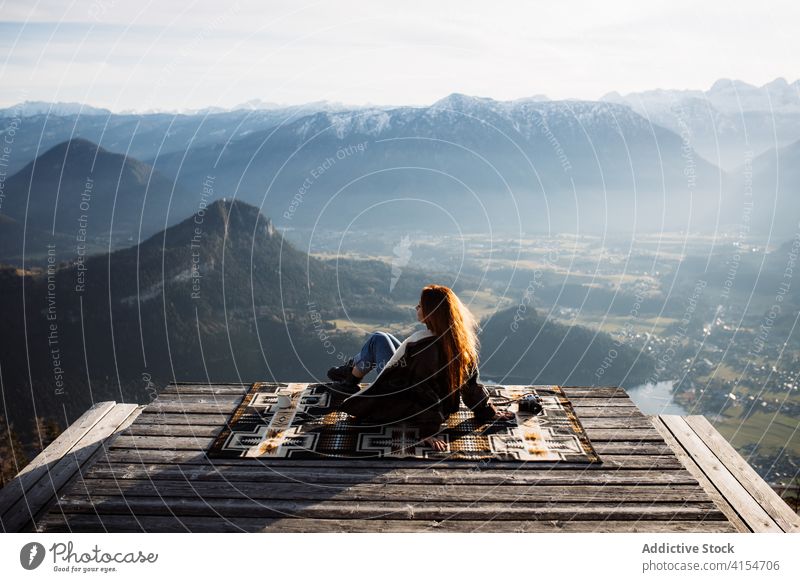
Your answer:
<point x="85" y="468"/>
<point x="594" y="392"/>
<point x="258" y="474"/>
<point x="79" y="458"/>
<point x="369" y="492"/>
<point x="737" y="496"/>
<point x="214" y="385"/>
<point x="701" y="477"/>
<point x="605" y="403"/>
<point x="158" y="407"/>
<point x="623" y="434"/>
<point x="632" y="448"/>
<point x="166" y="524"/>
<point x="232" y="400"/>
<point x="595" y="405"/>
<point x="616" y="422"/>
<point x="173" y="430"/>
<point x="204" y="383"/>
<point x="41" y="493"/>
<point x="13" y="492"/>
<point x="137" y="506"/>
<point x="215" y="419"/>
<point x="776" y="507"/>
<point x="206" y="390"/>
<point x="126" y="455"/>
<point x="601" y="411"/>
<point x="189" y="443"/>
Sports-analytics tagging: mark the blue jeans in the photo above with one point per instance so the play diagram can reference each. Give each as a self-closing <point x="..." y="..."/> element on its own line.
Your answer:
<point x="378" y="349"/>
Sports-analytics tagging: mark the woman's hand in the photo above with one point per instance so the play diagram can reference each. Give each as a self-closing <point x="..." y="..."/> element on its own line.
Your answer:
<point x="505" y="415"/>
<point x="435" y="443"/>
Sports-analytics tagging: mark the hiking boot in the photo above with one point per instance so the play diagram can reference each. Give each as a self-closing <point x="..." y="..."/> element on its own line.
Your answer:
<point x="341" y="373"/>
<point x="345" y="388"/>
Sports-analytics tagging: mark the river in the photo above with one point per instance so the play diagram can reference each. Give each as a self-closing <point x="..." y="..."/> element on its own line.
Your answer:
<point x="656" y="398"/>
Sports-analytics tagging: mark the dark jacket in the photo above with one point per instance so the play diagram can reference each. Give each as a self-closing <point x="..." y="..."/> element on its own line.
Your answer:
<point x="414" y="389"/>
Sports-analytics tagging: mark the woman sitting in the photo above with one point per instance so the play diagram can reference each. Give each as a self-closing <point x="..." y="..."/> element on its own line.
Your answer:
<point x="421" y="379"/>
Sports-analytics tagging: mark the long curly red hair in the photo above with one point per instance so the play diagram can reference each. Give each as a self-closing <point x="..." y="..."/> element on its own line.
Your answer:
<point x="456" y="328"/>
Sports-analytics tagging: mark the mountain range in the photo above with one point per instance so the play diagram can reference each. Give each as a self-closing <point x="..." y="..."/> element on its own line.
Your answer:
<point x="729" y="124"/>
<point x="523" y="165"/>
<point x="36" y="127"/>
<point x="653" y="161"/>
<point x="476" y="162"/>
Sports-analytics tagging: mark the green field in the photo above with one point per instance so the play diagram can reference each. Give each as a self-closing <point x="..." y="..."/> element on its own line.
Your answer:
<point x="770" y="431"/>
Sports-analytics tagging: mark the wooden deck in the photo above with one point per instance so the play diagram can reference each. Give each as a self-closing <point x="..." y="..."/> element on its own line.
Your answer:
<point x="664" y="474"/>
<point x="35" y="488"/>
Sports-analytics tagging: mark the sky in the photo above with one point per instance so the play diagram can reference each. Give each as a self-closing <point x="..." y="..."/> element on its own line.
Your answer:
<point x="181" y="55"/>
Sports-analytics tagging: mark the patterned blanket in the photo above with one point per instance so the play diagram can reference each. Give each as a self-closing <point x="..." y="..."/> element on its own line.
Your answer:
<point x="301" y="421"/>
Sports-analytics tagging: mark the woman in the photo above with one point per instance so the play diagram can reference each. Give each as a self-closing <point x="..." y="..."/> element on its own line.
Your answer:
<point x="421" y="379"/>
